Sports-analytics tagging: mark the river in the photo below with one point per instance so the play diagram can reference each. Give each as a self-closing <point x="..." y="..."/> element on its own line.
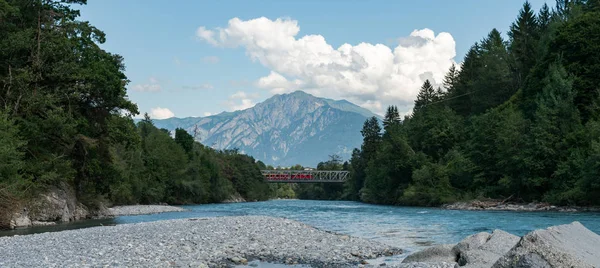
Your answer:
<point x="410" y="228"/>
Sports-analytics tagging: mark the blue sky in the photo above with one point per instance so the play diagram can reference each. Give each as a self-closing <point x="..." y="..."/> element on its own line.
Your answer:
<point x="227" y="65"/>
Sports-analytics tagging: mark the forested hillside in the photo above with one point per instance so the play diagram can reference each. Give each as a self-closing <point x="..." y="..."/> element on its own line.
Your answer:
<point x="65" y="120"/>
<point x="518" y="120"/>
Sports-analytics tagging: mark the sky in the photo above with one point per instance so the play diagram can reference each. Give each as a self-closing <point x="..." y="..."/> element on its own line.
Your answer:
<point x="191" y="58"/>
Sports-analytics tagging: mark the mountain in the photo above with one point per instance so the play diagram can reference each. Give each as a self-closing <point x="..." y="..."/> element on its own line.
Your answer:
<point x="284" y="130"/>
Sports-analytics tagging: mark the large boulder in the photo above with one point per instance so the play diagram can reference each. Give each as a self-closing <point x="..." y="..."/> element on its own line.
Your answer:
<point x="57" y="204"/>
<point x="471" y="242"/>
<point x="478" y="250"/>
<point x="569" y="245"/>
<point x="428" y="265"/>
<point x="486" y="254"/>
<point x="439" y="253"/>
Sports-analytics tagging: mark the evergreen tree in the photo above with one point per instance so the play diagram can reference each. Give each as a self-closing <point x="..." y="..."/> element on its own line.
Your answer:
<point x="544" y="18"/>
<point x="451" y="78"/>
<point x="392" y="117"/>
<point x="576" y="44"/>
<point x="458" y="96"/>
<point x="524" y="36"/>
<point x="427" y="95"/>
<point x="492" y="83"/>
<point x="184" y="139"/>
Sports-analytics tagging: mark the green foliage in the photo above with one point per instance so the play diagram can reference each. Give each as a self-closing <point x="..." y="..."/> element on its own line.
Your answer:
<point x="11" y="154"/>
<point x="518" y="121"/>
<point x="65" y="120"/>
<point x="184" y="139"/>
<point x="430" y="187"/>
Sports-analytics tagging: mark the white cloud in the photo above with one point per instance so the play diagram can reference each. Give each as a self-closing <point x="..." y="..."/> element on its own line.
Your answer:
<point x="373" y="75"/>
<point x="211" y="59"/>
<point x="207" y="114"/>
<point x="243" y="105"/>
<point x="161" y="113"/>
<point x="152" y="86"/>
<point x="206" y="35"/>
<point x="243" y="95"/>
<point x="241" y="101"/>
<point x="278" y="84"/>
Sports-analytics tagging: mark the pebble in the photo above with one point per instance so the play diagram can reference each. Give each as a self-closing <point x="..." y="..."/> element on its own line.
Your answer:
<point x="212" y="242"/>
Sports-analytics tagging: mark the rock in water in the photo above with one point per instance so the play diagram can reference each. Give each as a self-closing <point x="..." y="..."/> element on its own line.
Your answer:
<point x="569" y="245"/>
<point x="439" y="253"/>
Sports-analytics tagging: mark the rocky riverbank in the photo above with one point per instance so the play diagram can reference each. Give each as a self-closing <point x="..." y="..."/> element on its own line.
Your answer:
<point x="58" y="204"/>
<point x="142" y="209"/>
<point x="569" y="245"/>
<point x="204" y="242"/>
<point x="510" y="206"/>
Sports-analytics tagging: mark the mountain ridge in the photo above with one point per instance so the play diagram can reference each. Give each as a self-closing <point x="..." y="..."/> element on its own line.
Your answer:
<point x="283" y="130"/>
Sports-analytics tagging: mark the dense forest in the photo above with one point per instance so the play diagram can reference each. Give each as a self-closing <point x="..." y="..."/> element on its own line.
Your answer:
<point x="519" y="119"/>
<point x="65" y="121"/>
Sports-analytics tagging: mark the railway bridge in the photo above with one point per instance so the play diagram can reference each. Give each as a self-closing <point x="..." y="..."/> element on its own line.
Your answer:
<point x="304" y="176"/>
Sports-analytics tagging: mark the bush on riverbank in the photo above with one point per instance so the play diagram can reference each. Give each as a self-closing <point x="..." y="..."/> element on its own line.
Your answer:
<point x="519" y="119"/>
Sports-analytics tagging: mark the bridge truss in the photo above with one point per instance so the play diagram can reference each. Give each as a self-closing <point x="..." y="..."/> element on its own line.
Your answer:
<point x="304" y="176"/>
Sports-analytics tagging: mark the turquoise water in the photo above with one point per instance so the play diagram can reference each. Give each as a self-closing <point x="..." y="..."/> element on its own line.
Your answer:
<point x="410" y="228"/>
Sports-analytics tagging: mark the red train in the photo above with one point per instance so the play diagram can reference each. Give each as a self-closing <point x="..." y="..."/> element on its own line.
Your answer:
<point x="289" y="176"/>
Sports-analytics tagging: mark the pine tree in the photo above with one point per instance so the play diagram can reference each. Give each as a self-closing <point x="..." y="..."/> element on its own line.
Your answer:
<point x="524" y="37"/>
<point x="544" y="18"/>
<point x="426" y="96"/>
<point x="458" y="97"/>
<point x="451" y="78"/>
<point x="392" y="117"/>
<point x="491" y="83"/>
<point x="371" y="133"/>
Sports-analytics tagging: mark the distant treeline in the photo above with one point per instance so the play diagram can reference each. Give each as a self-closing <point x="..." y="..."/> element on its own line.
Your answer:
<point x="518" y="120"/>
<point x="65" y="119"/>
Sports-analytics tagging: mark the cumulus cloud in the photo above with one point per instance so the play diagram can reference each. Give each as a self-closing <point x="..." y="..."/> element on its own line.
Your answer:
<point x="371" y="75"/>
<point x="211" y="59"/>
<point x="161" y="113"/>
<point x="278" y="84"/>
<point x="152" y="86"/>
<point x="207" y="114"/>
<point x="241" y="101"/>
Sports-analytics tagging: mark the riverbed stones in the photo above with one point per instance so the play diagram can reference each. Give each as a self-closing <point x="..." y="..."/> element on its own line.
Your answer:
<point x="142" y="209"/>
<point x="569" y="245"/>
<point x="213" y="241"/>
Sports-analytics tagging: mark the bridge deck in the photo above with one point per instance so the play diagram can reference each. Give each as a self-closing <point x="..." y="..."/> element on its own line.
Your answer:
<point x="304" y="176"/>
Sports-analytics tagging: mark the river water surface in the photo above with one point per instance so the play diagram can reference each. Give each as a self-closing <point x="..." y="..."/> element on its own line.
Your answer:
<point x="409" y="228"/>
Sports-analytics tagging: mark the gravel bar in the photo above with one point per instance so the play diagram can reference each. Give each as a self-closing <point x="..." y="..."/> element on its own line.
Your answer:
<point x="202" y="242"/>
<point x="142" y="209"/>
